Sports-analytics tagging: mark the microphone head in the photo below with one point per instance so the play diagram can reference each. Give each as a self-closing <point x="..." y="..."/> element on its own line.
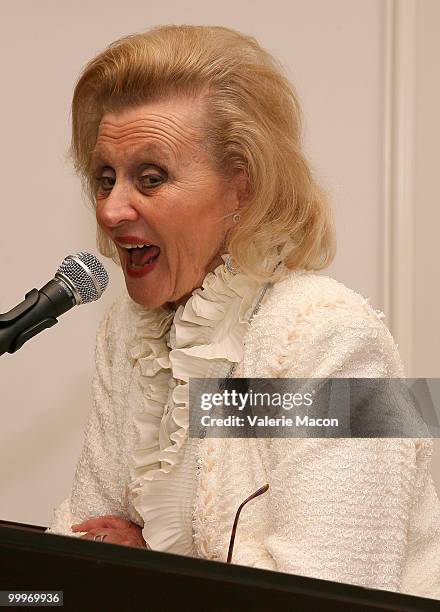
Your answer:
<point x="85" y="275"/>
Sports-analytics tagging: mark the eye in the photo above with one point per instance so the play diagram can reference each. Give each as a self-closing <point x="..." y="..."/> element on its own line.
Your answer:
<point x="147" y="181"/>
<point x="105" y="186"/>
<point x="154" y="178"/>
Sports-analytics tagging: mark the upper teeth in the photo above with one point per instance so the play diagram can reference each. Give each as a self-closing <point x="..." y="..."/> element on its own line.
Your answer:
<point x="135" y="246"/>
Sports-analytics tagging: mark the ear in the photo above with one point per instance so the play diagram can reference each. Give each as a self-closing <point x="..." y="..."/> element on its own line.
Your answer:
<point x="240" y="181"/>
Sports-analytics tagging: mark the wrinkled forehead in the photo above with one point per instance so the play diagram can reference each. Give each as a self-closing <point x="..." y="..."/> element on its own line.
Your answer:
<point x="165" y="129"/>
<point x="136" y="146"/>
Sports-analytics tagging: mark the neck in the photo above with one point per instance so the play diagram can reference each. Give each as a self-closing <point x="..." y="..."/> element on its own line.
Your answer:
<point x="181" y="302"/>
<point x="216" y="261"/>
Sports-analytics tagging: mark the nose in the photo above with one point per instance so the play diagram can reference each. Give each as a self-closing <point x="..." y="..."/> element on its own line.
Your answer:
<point x="118" y="207"/>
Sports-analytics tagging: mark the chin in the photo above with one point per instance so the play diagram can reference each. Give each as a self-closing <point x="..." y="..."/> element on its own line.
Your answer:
<point x="142" y="298"/>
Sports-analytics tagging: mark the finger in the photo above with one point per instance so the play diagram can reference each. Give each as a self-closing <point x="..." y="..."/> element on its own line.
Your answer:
<point x="109" y="521"/>
<point x="92" y="536"/>
<point x="121" y="537"/>
<point x="114" y="537"/>
<point x="105" y="521"/>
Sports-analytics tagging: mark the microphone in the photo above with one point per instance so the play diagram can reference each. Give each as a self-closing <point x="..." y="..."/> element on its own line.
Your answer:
<point x="80" y="279"/>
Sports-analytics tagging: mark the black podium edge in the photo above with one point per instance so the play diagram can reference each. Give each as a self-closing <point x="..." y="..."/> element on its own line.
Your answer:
<point x="202" y="568"/>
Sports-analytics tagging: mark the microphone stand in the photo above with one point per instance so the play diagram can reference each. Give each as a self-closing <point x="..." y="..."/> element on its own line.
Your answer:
<point x="38" y="311"/>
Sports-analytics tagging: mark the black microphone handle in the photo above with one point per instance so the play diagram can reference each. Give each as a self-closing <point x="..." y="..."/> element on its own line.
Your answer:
<point x="37" y="312"/>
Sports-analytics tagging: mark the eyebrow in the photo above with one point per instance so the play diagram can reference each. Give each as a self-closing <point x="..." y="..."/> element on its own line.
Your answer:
<point x="100" y="152"/>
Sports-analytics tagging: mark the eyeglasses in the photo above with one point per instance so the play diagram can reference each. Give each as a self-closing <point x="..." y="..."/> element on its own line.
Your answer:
<point x="260" y="491"/>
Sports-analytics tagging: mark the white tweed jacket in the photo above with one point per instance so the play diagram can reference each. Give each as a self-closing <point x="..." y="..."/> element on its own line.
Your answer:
<point x="361" y="511"/>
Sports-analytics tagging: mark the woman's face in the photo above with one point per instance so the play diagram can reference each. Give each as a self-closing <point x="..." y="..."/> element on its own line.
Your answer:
<point x="157" y="187"/>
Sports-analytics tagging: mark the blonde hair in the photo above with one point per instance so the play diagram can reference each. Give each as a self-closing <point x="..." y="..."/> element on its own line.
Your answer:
<point x="252" y="122"/>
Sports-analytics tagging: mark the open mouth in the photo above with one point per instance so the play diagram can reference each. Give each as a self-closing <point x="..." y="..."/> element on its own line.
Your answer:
<point x="141" y="256"/>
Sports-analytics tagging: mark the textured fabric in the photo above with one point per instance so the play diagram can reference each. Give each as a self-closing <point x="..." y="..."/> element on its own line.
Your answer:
<point x="200" y="339"/>
<point x="359" y="511"/>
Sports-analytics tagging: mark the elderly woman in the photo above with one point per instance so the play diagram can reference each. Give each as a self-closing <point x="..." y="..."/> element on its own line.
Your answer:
<point x="187" y="139"/>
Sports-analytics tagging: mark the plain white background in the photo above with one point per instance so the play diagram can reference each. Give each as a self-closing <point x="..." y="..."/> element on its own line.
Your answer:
<point x="334" y="52"/>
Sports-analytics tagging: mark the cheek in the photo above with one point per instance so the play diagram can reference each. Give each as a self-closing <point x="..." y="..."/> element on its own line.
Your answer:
<point x="197" y="232"/>
<point x="206" y="220"/>
<point x="189" y="225"/>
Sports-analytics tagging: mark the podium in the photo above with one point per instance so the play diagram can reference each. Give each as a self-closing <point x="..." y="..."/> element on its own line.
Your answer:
<point x="108" y="577"/>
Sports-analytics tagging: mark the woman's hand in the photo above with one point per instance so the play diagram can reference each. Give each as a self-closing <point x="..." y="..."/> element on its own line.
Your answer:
<point x="116" y="531"/>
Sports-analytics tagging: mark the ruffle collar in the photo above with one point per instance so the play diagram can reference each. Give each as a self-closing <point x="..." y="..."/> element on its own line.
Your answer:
<point x="202" y="338"/>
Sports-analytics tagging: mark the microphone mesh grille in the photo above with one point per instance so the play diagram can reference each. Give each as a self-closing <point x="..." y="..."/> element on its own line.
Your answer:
<point x="82" y="280"/>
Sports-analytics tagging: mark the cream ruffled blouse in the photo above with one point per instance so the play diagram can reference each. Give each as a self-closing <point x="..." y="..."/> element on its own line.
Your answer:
<point x="202" y="338"/>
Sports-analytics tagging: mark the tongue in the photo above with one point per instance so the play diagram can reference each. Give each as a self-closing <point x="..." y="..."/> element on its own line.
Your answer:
<point x="139" y="257"/>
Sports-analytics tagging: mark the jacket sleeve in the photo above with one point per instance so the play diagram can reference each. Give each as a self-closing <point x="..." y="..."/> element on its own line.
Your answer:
<point x="341" y="507"/>
<point x="97" y="487"/>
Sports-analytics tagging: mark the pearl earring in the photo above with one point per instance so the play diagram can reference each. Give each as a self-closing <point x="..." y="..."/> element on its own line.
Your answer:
<point x="236" y="218"/>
